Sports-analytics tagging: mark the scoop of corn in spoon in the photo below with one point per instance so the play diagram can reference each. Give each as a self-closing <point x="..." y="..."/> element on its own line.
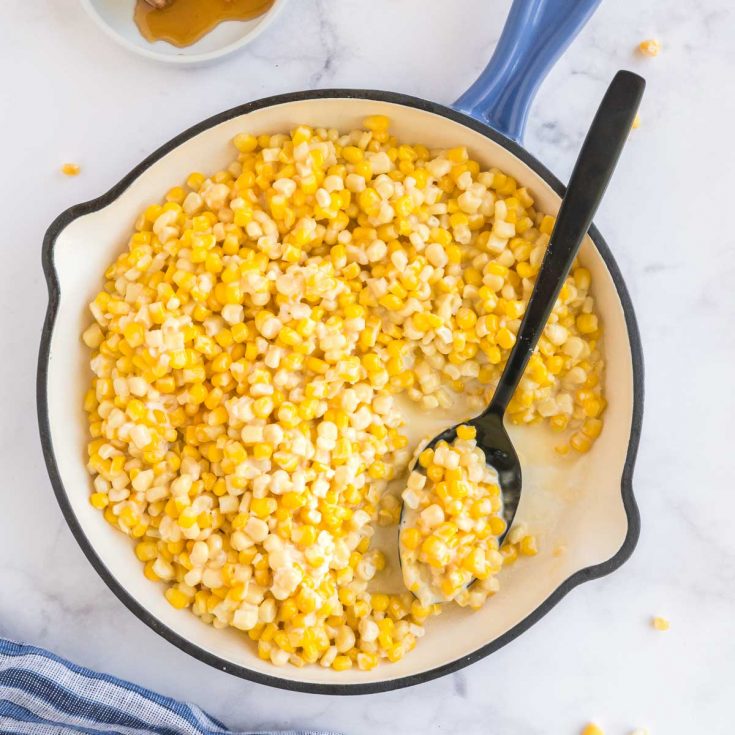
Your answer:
<point x="592" y="172"/>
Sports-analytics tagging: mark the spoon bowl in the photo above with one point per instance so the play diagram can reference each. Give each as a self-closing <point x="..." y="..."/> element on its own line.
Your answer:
<point x="500" y="453"/>
<point x="493" y="439"/>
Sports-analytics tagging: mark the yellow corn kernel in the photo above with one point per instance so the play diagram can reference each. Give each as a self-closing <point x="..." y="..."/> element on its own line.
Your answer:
<point x="559" y="422"/>
<point x="466" y="318"/>
<point x="342" y="663"/>
<point x="582" y="278"/>
<point x="263" y="507"/>
<point x="352" y="154"/>
<point x="435" y="473"/>
<point x="587" y="323"/>
<point x="70" y="169"/>
<point x="263" y="407"/>
<point x="376" y="123"/>
<point x="650" y="47"/>
<point x="497" y="525"/>
<point x="245" y="143"/>
<point x="177" y="598"/>
<point x="367" y="661"/>
<point x="555" y="364"/>
<point x="547" y="224"/>
<point x="505" y="338"/>
<point x="466" y="433"/>
<point x="580" y="442"/>
<point x="457" y="155"/>
<point x="99" y="500"/>
<point x="316" y="365"/>
<point x="435" y="551"/>
<point x="592" y="428"/>
<point x="528" y="546"/>
<point x="411" y="538"/>
<point x="146" y="551"/>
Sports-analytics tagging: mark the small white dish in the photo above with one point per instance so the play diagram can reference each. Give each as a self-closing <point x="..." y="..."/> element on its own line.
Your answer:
<point x="115" y="17"/>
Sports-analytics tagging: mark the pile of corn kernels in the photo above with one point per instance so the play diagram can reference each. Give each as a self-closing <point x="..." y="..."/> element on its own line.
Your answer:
<point x="248" y="350"/>
<point x="453" y="519"/>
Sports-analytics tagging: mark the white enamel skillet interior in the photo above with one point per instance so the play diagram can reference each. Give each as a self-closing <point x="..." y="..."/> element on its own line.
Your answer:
<point x="582" y="509"/>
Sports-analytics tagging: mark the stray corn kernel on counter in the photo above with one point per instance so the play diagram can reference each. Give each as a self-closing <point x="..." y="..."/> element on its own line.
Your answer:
<point x="252" y="349"/>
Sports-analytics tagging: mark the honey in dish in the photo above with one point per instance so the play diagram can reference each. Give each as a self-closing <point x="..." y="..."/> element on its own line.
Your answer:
<point x="184" y="22"/>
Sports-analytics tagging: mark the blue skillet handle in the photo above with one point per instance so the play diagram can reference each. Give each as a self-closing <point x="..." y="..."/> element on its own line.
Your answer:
<point x="536" y="34"/>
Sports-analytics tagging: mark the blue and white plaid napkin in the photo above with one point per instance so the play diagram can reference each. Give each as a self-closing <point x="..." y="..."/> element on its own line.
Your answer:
<point x="42" y="694"/>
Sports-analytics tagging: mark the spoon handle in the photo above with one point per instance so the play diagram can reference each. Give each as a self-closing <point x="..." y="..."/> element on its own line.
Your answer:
<point x="592" y="172"/>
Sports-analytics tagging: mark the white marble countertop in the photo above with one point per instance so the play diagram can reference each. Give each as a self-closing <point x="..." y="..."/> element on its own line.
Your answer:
<point x="68" y="93"/>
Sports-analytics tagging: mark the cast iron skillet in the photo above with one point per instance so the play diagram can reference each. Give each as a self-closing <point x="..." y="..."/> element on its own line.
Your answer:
<point x="493" y="110"/>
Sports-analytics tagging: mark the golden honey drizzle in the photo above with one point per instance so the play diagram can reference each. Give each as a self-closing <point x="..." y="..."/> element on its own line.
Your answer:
<point x="184" y="22"/>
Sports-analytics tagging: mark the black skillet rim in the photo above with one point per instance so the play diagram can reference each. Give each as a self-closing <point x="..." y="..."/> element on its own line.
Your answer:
<point x="583" y="575"/>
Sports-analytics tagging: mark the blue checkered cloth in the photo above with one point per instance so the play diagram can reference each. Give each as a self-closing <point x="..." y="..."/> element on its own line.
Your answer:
<point x="42" y="694"/>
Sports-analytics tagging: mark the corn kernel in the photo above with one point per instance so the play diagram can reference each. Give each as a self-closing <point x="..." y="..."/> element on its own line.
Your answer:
<point x="650" y="47"/>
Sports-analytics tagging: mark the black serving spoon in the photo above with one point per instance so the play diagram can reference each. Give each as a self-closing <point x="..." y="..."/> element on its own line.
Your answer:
<point x="592" y="172"/>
